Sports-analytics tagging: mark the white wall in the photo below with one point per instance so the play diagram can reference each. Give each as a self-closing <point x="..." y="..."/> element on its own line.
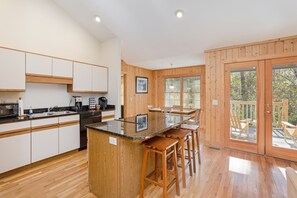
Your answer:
<point x="41" y="26"/>
<point x="111" y="56"/>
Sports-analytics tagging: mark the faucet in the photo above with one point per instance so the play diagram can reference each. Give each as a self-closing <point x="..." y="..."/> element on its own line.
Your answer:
<point x="51" y="108"/>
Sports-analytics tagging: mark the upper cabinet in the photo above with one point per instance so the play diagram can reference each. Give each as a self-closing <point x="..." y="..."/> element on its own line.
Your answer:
<point x="62" y="68"/>
<point x="12" y="70"/>
<point x="99" y="79"/>
<point x="89" y="78"/>
<point x="38" y="65"/>
<point x="82" y="81"/>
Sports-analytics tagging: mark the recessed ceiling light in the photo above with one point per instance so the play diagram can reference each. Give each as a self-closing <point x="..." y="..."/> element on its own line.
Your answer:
<point x="179" y="14"/>
<point x="97" y="19"/>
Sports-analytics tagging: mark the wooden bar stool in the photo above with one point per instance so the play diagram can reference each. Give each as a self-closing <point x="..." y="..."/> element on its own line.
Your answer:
<point x="194" y="127"/>
<point x="166" y="147"/>
<point x="183" y="137"/>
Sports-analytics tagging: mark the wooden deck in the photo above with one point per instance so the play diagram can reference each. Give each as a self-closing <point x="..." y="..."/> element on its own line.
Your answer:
<point x="223" y="173"/>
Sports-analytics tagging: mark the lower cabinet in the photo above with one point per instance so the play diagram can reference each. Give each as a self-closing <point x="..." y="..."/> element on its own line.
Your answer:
<point x="15" y="152"/>
<point x="45" y="144"/>
<point x="69" y="138"/>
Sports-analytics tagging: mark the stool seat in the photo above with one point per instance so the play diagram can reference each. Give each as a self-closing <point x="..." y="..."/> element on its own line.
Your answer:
<point x="178" y="133"/>
<point x="160" y="144"/>
<point x="189" y="126"/>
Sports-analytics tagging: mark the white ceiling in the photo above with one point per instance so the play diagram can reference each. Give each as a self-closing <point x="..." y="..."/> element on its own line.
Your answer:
<point x="153" y="37"/>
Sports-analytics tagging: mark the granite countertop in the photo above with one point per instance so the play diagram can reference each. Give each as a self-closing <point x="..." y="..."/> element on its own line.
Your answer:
<point x="140" y="127"/>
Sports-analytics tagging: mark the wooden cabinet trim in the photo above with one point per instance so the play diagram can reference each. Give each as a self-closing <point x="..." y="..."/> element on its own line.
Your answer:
<point x="33" y="78"/>
<point x="70" y="123"/>
<point x="14" y="132"/>
<point x="45" y="127"/>
<point x="12" y="90"/>
<point x="107" y="117"/>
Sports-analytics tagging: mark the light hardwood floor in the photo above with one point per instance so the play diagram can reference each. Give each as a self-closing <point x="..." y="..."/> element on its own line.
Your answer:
<point x="223" y="173"/>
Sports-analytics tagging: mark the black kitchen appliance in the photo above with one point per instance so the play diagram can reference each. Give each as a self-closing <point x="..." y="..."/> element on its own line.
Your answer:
<point x="102" y="102"/>
<point x="87" y="117"/>
<point x="78" y="102"/>
<point x="9" y="110"/>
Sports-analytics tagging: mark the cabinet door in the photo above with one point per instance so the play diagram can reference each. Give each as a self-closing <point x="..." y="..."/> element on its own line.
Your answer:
<point x="62" y="68"/>
<point x="38" y="65"/>
<point x="14" y="152"/>
<point x="82" y="77"/>
<point x="107" y="116"/>
<point x="69" y="138"/>
<point x="45" y="144"/>
<point x="99" y="79"/>
<point x="12" y="70"/>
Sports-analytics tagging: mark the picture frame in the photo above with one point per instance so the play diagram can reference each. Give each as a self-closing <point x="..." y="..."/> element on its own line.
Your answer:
<point x="141" y="122"/>
<point x="141" y="85"/>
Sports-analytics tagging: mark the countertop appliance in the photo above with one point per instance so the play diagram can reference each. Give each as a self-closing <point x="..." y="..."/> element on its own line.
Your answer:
<point x="9" y="110"/>
<point x="87" y="117"/>
<point x="78" y="102"/>
<point x="102" y="102"/>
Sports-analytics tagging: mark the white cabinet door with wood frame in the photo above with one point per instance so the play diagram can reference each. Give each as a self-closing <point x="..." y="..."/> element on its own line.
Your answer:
<point x="99" y="79"/>
<point x="38" y="65"/>
<point x="45" y="138"/>
<point x="82" y="77"/>
<point x="69" y="133"/>
<point x="12" y="70"/>
<point x="15" y="145"/>
<point x="107" y="115"/>
<point x="62" y="68"/>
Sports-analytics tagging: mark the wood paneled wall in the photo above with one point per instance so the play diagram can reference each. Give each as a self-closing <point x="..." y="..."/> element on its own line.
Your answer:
<point x="159" y="84"/>
<point x="136" y="103"/>
<point x="216" y="60"/>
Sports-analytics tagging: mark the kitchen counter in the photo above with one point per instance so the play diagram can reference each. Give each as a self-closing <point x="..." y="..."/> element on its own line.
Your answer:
<point x="115" y="152"/>
<point x="140" y="127"/>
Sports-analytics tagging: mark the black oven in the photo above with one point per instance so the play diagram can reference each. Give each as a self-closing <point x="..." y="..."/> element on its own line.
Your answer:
<point x="87" y="117"/>
<point x="9" y="110"/>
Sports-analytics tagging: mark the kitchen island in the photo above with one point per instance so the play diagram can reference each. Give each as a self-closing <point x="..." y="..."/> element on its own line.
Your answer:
<point x="115" y="152"/>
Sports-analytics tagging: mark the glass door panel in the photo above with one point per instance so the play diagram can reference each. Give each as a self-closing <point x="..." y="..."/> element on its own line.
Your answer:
<point x="243" y="104"/>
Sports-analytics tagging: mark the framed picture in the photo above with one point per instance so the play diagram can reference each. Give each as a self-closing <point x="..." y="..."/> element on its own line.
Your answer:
<point x="141" y="122"/>
<point x="141" y="85"/>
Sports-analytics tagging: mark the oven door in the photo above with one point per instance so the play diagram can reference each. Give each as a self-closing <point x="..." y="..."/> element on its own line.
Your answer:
<point x="85" y="120"/>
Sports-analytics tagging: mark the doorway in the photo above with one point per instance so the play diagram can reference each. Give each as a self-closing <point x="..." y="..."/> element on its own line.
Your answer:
<point x="261" y="98"/>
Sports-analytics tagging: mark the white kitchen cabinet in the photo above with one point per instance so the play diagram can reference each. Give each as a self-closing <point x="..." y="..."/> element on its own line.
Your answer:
<point x="15" y="148"/>
<point x="38" y="65"/>
<point x="62" y="68"/>
<point x="82" y="77"/>
<point x="99" y="79"/>
<point x="44" y="138"/>
<point x="12" y="70"/>
<point x="69" y="133"/>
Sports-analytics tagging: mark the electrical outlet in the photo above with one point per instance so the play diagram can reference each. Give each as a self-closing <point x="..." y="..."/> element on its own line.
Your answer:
<point x="112" y="140"/>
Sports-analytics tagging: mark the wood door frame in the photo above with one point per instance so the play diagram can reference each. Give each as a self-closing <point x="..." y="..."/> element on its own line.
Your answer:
<point x="289" y="154"/>
<point x="259" y="146"/>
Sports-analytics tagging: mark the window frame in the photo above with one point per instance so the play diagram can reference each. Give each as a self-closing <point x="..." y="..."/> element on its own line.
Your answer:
<point x="181" y="92"/>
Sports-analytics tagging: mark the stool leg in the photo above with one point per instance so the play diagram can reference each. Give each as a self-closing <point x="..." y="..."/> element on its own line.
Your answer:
<point x="143" y="172"/>
<point x="164" y="168"/>
<point x="175" y="171"/>
<point x="193" y="151"/>
<point x="156" y="166"/>
<point x="198" y="145"/>
<point x="189" y="154"/>
<point x="183" y="162"/>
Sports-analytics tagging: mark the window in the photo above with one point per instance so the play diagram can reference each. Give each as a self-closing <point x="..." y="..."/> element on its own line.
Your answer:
<point x="182" y="91"/>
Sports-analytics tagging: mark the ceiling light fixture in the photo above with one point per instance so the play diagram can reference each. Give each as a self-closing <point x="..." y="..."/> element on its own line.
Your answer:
<point x="179" y="14"/>
<point x="97" y="19"/>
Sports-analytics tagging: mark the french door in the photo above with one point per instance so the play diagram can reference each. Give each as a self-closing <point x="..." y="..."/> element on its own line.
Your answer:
<point x="244" y="114"/>
<point x="261" y="107"/>
<point x="281" y="108"/>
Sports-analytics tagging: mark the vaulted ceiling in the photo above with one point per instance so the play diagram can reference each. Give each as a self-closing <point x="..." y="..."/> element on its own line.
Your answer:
<point x="153" y="37"/>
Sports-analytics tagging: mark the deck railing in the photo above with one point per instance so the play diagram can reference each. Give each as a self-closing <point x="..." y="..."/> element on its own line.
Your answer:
<point x="248" y="110"/>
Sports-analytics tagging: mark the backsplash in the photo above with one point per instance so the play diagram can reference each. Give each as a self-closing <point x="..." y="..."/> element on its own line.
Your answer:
<point x="45" y="95"/>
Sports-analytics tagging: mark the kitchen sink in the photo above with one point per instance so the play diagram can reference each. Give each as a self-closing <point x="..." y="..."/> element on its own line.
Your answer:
<point x="54" y="113"/>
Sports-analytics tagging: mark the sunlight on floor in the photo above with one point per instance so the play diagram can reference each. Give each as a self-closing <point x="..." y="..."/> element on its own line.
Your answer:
<point x="240" y="166"/>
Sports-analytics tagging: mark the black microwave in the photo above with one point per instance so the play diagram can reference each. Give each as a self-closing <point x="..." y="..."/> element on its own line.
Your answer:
<point x="9" y="110"/>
